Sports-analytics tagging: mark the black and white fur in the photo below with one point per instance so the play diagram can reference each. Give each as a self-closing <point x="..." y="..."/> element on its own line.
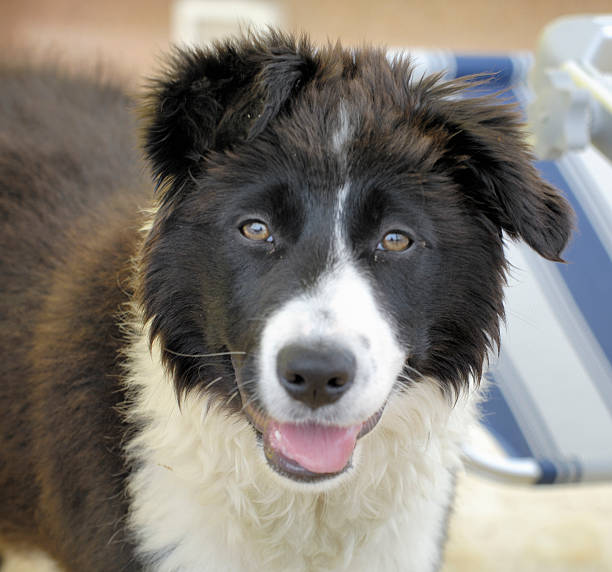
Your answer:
<point x="141" y="333"/>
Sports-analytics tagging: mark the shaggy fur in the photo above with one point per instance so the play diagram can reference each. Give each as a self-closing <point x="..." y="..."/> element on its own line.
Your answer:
<point x="141" y="334"/>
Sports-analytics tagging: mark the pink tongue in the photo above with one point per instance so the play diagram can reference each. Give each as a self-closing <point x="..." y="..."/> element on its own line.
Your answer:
<point x="317" y="448"/>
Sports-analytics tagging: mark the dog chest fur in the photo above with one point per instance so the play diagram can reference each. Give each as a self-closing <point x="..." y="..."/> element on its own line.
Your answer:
<point x="202" y="497"/>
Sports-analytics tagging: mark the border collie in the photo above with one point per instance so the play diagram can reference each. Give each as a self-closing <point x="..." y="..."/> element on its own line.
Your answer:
<point x="268" y="362"/>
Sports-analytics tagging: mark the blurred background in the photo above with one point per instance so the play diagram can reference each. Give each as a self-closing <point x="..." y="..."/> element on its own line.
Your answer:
<point x="132" y="33"/>
<point x="494" y="527"/>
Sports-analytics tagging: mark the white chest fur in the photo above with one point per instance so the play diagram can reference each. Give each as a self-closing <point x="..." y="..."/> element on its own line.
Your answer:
<point x="203" y="499"/>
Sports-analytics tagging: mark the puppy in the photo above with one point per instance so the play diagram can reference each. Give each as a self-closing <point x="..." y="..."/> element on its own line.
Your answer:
<point x="270" y="362"/>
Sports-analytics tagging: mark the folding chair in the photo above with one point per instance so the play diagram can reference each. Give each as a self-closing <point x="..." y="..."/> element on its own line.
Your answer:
<point x="549" y="400"/>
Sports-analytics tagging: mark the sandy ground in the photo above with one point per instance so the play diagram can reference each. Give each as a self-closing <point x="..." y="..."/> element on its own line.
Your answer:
<point x="497" y="527"/>
<point x="500" y="528"/>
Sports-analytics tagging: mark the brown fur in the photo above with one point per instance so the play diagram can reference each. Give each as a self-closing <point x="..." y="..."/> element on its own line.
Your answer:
<point x="73" y="136"/>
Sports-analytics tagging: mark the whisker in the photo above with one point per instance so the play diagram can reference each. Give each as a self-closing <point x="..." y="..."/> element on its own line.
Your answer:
<point x="218" y="354"/>
<point x="248" y="382"/>
<point x="232" y="396"/>
<point x="211" y="383"/>
<point x="199" y="366"/>
<point x="243" y="384"/>
<point x="412" y="369"/>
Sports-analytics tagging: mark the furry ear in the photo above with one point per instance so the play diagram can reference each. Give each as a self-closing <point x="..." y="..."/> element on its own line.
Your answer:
<point x="494" y="166"/>
<point x="210" y="99"/>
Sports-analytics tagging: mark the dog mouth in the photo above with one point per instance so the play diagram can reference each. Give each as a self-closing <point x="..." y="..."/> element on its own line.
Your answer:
<point x="308" y="452"/>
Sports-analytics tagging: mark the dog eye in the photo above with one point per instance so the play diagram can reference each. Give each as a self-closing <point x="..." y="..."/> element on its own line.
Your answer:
<point x="395" y="241"/>
<point x="256" y="230"/>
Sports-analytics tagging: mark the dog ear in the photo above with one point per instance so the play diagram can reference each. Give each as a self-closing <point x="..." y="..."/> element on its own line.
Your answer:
<point x="211" y="99"/>
<point x="494" y="166"/>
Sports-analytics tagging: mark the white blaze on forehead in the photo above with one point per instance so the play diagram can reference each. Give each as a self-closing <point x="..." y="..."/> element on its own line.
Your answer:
<point x="343" y="131"/>
<point x="340" y="310"/>
<point x="340" y="239"/>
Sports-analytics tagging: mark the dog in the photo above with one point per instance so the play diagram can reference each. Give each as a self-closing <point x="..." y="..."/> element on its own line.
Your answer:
<point x="265" y="354"/>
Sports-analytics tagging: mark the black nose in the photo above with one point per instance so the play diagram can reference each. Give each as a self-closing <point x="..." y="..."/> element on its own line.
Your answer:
<point x="316" y="375"/>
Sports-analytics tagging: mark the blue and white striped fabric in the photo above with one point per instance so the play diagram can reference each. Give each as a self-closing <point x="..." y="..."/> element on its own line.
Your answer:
<point x="550" y="399"/>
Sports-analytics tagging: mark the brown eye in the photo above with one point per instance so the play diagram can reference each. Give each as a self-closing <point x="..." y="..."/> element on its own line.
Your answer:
<point x="256" y="230"/>
<point x="394" y="241"/>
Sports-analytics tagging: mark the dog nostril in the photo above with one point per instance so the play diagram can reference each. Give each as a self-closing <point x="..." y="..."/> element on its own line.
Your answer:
<point x="316" y="375"/>
<point x="336" y="382"/>
<point x="296" y="379"/>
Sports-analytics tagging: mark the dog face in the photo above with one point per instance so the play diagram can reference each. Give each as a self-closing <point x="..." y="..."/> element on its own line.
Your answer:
<point x="329" y="230"/>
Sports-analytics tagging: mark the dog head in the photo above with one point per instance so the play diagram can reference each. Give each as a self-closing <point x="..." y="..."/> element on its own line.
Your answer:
<point x="329" y="230"/>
